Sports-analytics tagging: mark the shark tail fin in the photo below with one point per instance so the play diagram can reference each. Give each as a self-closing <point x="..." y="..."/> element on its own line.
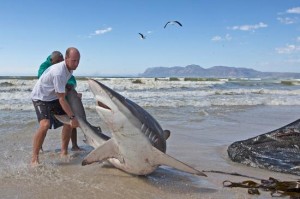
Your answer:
<point x="107" y="150"/>
<point x="164" y="159"/>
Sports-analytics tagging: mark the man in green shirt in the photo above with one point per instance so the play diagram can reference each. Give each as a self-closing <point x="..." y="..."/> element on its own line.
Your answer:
<point x="54" y="58"/>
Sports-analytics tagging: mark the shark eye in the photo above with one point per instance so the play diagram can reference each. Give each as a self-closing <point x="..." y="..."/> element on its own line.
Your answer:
<point x="102" y="105"/>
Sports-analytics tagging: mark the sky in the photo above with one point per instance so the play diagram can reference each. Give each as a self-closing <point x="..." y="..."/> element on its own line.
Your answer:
<point x="260" y="34"/>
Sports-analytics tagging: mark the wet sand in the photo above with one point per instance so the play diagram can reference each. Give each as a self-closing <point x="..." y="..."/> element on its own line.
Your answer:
<point x="200" y="141"/>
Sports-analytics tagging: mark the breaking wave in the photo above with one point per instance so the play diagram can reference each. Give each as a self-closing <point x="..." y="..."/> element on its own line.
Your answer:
<point x="151" y="92"/>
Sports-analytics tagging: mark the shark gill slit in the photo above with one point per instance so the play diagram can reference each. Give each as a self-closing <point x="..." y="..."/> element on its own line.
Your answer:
<point x="154" y="138"/>
<point x="143" y="128"/>
<point x="150" y="135"/>
<point x="147" y="132"/>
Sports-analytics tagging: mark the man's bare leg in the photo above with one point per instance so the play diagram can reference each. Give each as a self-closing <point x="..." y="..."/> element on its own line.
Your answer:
<point x="75" y="147"/>
<point x="65" y="138"/>
<point x="38" y="140"/>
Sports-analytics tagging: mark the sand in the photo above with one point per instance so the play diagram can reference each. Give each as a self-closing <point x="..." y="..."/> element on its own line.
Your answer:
<point x="201" y="143"/>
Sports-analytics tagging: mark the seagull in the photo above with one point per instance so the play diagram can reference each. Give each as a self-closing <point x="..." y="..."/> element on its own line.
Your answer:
<point x="142" y="36"/>
<point x="173" y="22"/>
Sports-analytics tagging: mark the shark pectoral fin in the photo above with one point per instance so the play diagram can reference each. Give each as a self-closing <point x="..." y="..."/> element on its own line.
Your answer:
<point x="107" y="150"/>
<point x="63" y="119"/>
<point x="164" y="159"/>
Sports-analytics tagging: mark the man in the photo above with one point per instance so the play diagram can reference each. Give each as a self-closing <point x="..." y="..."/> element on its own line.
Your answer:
<point x="55" y="58"/>
<point x="48" y="97"/>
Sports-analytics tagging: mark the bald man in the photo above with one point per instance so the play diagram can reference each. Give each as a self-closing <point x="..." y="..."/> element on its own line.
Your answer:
<point x="49" y="97"/>
<point x="55" y="58"/>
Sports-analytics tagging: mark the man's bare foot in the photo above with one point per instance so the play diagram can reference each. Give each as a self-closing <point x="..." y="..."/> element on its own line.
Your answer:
<point x="65" y="157"/>
<point x="35" y="162"/>
<point x="76" y="148"/>
<point x="63" y="153"/>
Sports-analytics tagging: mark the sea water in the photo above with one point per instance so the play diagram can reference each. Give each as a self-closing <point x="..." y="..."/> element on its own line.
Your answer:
<point x="204" y="118"/>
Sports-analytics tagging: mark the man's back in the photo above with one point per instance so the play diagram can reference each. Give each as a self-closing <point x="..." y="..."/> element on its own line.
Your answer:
<point x="46" y="64"/>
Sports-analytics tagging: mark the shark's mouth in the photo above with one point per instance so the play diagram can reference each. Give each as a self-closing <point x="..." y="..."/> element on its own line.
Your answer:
<point x="102" y="105"/>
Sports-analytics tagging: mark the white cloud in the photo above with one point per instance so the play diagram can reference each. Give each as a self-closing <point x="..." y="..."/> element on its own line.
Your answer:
<point x="101" y="31"/>
<point x="217" y="38"/>
<point x="288" y="49"/>
<point x="295" y="10"/>
<point x="298" y="39"/>
<point x="249" y="27"/>
<point x="287" y="20"/>
<point x="228" y="37"/>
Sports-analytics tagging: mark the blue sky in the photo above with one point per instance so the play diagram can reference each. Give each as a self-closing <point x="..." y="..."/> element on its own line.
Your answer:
<point x="259" y="34"/>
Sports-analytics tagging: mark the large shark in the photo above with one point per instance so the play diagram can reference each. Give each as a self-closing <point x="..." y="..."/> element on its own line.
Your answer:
<point x="138" y="143"/>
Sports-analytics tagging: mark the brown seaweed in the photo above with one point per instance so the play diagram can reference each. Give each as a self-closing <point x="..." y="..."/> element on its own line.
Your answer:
<point x="276" y="187"/>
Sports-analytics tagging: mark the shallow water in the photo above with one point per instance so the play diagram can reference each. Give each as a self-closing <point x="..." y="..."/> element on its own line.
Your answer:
<point x="199" y="137"/>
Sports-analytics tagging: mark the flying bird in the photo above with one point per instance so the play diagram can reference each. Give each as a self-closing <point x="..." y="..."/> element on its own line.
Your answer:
<point x="142" y="36"/>
<point x="173" y="22"/>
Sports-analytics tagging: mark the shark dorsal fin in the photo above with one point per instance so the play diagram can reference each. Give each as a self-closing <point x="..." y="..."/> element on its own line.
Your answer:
<point x="167" y="134"/>
<point x="107" y="150"/>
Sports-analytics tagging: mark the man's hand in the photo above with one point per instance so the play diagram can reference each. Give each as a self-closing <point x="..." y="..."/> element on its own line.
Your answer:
<point x="66" y="107"/>
<point x="74" y="123"/>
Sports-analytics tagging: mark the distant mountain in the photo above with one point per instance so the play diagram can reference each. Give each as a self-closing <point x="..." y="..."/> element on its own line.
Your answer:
<point x="216" y="72"/>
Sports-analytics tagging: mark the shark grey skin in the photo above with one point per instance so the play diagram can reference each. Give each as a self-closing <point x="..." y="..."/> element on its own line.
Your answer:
<point x="94" y="136"/>
<point x="138" y="143"/>
<point x="278" y="150"/>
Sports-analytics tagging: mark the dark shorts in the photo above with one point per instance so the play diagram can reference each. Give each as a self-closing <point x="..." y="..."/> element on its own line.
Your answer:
<point x="46" y="110"/>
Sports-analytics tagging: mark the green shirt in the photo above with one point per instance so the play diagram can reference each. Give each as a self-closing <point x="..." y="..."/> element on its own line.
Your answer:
<point x="46" y="64"/>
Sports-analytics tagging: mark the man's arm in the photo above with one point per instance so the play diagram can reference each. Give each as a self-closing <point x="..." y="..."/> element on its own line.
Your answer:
<point x="66" y="107"/>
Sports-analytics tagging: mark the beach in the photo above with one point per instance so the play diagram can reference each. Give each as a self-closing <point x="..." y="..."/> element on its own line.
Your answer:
<point x="204" y="119"/>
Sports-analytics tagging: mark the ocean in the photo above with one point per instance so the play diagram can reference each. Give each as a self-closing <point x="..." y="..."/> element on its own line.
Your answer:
<point x="204" y="116"/>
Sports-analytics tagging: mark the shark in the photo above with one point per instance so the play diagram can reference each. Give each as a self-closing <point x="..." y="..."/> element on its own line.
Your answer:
<point x="137" y="144"/>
